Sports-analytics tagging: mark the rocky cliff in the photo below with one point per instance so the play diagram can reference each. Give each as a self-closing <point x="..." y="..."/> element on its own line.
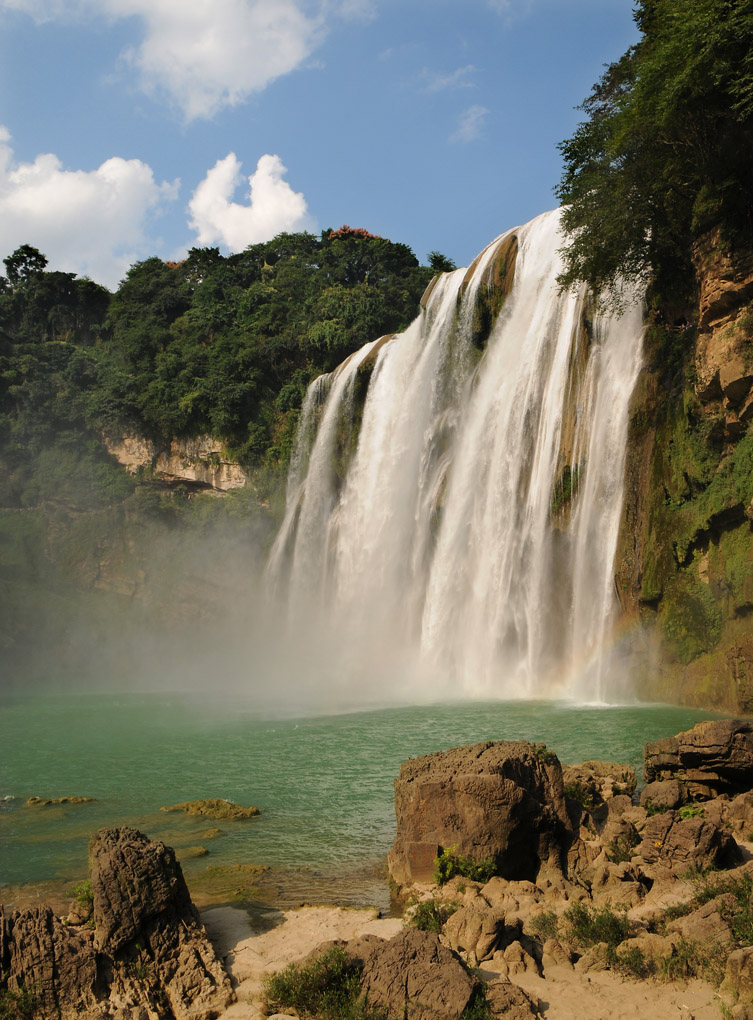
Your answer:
<point x="684" y="566"/>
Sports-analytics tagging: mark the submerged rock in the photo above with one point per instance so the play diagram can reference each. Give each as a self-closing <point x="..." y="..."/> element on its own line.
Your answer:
<point x="501" y="799"/>
<point x="214" y="808"/>
<point x="50" y="801"/>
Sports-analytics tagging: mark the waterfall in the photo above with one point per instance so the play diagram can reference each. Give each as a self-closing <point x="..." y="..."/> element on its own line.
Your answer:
<point x="470" y="515"/>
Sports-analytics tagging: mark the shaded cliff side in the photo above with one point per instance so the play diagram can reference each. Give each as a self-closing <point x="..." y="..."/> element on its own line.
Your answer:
<point x="684" y="565"/>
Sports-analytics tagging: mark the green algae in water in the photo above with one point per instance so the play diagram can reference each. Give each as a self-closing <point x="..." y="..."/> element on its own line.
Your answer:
<point x="323" y="784"/>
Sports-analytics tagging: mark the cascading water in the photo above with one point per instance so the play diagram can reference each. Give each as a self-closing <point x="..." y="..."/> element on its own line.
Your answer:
<point x="471" y="516"/>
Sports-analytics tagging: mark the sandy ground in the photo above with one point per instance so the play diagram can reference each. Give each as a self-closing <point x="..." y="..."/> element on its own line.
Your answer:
<point x="268" y="940"/>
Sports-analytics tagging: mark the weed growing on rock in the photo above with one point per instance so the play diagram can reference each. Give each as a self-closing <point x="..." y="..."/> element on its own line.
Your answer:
<point x="450" y="863"/>
<point x="631" y="963"/>
<point x="430" y="915"/>
<point x="578" y="792"/>
<point x="691" y="811"/>
<point x="620" y="850"/>
<point x="478" y="1009"/>
<point x="20" y="1005"/>
<point x="83" y="893"/>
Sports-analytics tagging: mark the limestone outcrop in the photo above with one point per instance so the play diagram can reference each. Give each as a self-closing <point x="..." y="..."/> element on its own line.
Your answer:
<point x="502" y="800"/>
<point x="200" y="462"/>
<point x="714" y="757"/>
<point x="147" y="956"/>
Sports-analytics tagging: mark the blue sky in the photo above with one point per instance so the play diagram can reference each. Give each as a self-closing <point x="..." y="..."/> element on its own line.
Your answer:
<point x="130" y="128"/>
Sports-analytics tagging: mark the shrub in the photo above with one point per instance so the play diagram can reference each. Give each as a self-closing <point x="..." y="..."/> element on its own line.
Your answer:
<point x="578" y="792"/>
<point x="691" y="811"/>
<point x="83" y="893"/>
<point x="544" y="924"/>
<point x="326" y="988"/>
<point x="450" y="863"/>
<point x="430" y="915"/>
<point x="20" y="1005"/>
<point x="587" y="926"/>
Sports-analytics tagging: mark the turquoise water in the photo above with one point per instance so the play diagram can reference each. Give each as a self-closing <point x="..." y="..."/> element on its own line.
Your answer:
<point x="323" y="784"/>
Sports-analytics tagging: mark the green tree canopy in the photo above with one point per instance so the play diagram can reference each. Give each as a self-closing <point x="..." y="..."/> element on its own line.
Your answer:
<point x="667" y="147"/>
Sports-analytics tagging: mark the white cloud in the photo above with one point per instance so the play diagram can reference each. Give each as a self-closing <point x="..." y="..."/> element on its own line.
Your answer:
<point x="272" y="206"/>
<point x="471" y="125"/>
<point x="457" y="79"/>
<point x="90" y="222"/>
<point x="204" y="54"/>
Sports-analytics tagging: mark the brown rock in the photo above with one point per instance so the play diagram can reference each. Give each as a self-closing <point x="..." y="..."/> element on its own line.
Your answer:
<point x="714" y="757"/>
<point x="42" y="961"/>
<point x="144" y="918"/>
<point x="738" y="977"/>
<point x="414" y="976"/>
<point x="213" y="808"/>
<point x="705" y="925"/>
<point x="509" y="1001"/>
<point x="682" y="843"/>
<point x="498" y="799"/>
<point x="663" y="795"/>
<point x="598" y="781"/>
<point x="477" y="928"/>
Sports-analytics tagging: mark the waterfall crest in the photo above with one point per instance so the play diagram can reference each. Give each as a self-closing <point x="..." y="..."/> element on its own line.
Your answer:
<point x="466" y="510"/>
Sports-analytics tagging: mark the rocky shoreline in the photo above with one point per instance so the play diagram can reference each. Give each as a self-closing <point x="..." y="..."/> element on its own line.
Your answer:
<point x="529" y="890"/>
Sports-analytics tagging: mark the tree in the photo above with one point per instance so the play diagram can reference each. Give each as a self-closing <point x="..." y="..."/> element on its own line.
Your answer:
<point x="666" y="150"/>
<point x="24" y="263"/>
<point x="440" y="263"/>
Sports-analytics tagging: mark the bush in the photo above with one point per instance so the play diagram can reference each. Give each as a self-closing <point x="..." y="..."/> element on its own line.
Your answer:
<point x="450" y="863"/>
<point x="83" y="893"/>
<point x="587" y="926"/>
<point x="430" y="915"/>
<point x="544" y="924"/>
<point x="327" y="988"/>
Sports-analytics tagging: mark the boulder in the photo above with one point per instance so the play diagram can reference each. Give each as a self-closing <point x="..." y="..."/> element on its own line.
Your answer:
<point x="663" y="795"/>
<point x="706" y="924"/>
<point x="214" y="808"/>
<point x="712" y="758"/>
<point x="143" y="913"/>
<point x="683" y="843"/>
<point x="499" y="799"/>
<point x="147" y="956"/>
<point x="414" y="976"/>
<point x="738" y="976"/>
<point x="594" y="782"/>
<point x="507" y="1000"/>
<point x="476" y="928"/>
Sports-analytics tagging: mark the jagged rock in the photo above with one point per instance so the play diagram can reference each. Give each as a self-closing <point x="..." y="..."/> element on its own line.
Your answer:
<point x="594" y="782"/>
<point x="414" y="976"/>
<point x="714" y="757"/>
<point x="498" y="799"/>
<point x="663" y="795"/>
<point x="147" y="958"/>
<point x="509" y="1001"/>
<point x="143" y="914"/>
<point x="53" y="967"/>
<point x="476" y="928"/>
<point x="594" y="959"/>
<point x="682" y="843"/>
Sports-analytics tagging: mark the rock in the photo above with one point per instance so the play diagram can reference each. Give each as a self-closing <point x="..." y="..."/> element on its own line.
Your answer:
<point x="594" y="782"/>
<point x="712" y="758"/>
<point x="499" y="799"/>
<point x="738" y="976"/>
<point x="222" y="809"/>
<point x="594" y="959"/>
<point x="516" y="960"/>
<point x="476" y="930"/>
<point x="663" y="795"/>
<point x="507" y="1000"/>
<point x="143" y="915"/>
<point x="705" y="924"/>
<point x="414" y="976"/>
<point x="148" y="955"/>
<point x="50" y="801"/>
<point x="682" y="843"/>
<point x="554" y="954"/>
<point x="46" y="965"/>
<point x="615" y="884"/>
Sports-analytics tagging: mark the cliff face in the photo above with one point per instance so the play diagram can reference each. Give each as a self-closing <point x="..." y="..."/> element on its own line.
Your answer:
<point x="684" y="567"/>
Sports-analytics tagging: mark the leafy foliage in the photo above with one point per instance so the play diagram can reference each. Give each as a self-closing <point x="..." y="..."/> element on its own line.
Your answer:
<point x="430" y="915"/>
<point x="665" y="151"/>
<point x="450" y="863"/>
<point x="327" y="987"/>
